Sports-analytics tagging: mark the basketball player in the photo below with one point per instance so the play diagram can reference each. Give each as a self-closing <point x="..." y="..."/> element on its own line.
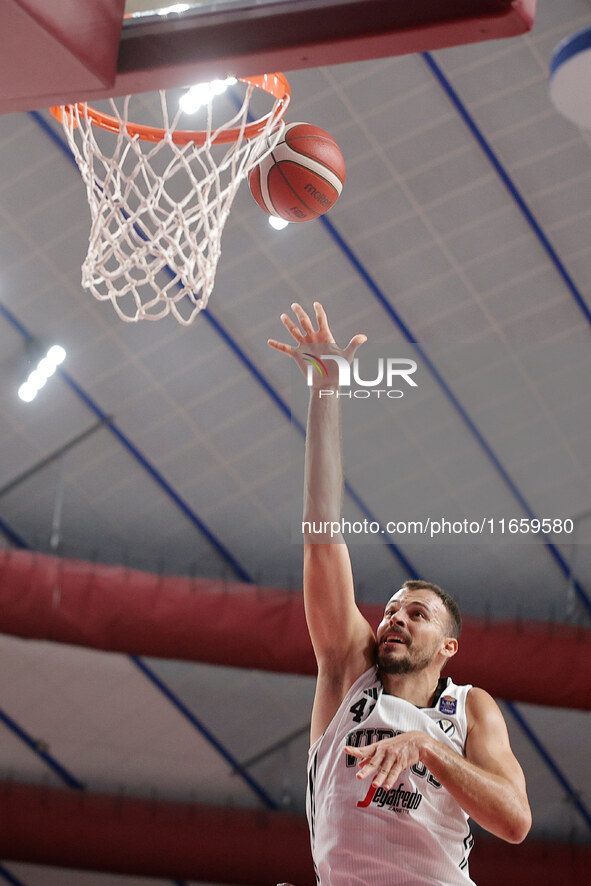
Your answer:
<point x="400" y="757"/>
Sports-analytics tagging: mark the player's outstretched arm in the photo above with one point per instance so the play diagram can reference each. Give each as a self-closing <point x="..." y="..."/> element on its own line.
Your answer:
<point x="343" y="641"/>
<point x="488" y="782"/>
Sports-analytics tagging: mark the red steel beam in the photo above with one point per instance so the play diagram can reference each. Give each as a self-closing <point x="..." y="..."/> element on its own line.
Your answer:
<point x="123" y="610"/>
<point x="68" y="829"/>
<point x="65" y="828"/>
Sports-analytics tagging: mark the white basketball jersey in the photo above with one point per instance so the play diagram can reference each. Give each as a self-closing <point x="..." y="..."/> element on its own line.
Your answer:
<point x="414" y="834"/>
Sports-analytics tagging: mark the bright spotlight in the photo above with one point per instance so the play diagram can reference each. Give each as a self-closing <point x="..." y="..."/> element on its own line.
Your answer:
<point x="200" y="94"/>
<point x="37" y="378"/>
<point x="277" y="223"/>
<point x="175" y="7"/>
<point x="56" y="354"/>
<point x="44" y="369"/>
<point x="27" y="392"/>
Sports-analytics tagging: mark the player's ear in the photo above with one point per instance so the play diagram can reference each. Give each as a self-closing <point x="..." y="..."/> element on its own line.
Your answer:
<point x="450" y="647"/>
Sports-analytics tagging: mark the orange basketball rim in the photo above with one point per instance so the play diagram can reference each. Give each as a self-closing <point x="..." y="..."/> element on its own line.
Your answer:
<point x="275" y="85"/>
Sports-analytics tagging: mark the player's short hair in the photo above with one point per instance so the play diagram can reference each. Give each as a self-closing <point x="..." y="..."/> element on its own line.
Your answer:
<point x="453" y="610"/>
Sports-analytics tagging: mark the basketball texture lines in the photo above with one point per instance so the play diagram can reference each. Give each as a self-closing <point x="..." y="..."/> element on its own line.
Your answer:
<point x="303" y="175"/>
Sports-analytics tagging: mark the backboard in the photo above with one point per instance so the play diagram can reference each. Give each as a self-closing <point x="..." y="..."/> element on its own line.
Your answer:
<point x="113" y="47"/>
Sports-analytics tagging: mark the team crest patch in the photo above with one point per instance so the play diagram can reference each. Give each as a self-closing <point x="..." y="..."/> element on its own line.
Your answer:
<point x="447" y="727"/>
<point x="448" y="704"/>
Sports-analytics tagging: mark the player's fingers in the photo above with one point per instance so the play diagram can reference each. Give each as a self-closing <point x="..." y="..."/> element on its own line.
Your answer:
<point x="364" y="755"/>
<point x="391" y="777"/>
<point x="395" y="763"/>
<point x="353" y="345"/>
<point x="379" y="778"/>
<point x="322" y="321"/>
<point x="370" y="766"/>
<point x="293" y="329"/>
<point x="355" y="752"/>
<point x="364" y="762"/>
<point x="366" y="750"/>
<point x="280" y="346"/>
<point x="386" y="774"/>
<point x="303" y="318"/>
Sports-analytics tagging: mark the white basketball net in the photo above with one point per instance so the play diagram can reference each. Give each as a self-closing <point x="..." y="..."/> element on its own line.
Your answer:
<point x="158" y="209"/>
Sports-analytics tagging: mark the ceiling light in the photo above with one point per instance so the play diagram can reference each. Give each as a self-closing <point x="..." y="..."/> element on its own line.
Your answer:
<point x="200" y="94"/>
<point x="277" y="223"/>
<point x="27" y="392"/>
<point x="56" y="354"/>
<point x="175" y="7"/>
<point x="44" y="369"/>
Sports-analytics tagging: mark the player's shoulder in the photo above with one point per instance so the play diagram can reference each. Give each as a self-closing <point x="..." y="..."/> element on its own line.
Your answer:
<point x="481" y="707"/>
<point x="478" y="697"/>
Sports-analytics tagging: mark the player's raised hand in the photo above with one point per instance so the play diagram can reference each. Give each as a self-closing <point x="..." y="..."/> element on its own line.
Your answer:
<point x="384" y="760"/>
<point x="310" y="342"/>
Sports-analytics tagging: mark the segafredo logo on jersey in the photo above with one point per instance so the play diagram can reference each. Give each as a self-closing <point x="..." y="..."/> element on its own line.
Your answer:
<point x="396" y="799"/>
<point x="390" y="371"/>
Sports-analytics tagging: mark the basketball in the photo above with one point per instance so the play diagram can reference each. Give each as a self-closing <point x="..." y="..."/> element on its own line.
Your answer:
<point x="302" y="177"/>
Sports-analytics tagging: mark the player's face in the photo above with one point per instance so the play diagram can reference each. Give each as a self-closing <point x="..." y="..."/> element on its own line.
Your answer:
<point x="412" y="631"/>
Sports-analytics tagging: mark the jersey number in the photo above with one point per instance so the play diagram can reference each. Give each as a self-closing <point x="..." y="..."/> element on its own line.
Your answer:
<point x="358" y="710"/>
